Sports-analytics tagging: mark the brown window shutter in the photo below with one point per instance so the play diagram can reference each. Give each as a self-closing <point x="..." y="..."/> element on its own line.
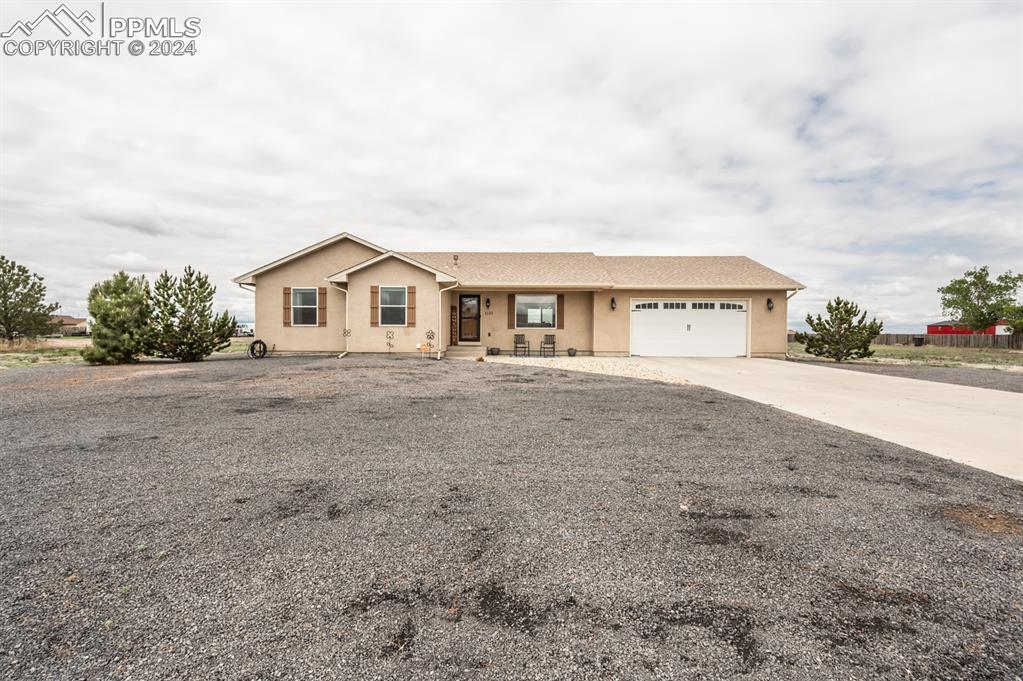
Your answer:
<point x="511" y="310"/>
<point x="321" y="302"/>
<point x="561" y="310"/>
<point x="374" y="306"/>
<point x="410" y="314"/>
<point x="287" y="306"/>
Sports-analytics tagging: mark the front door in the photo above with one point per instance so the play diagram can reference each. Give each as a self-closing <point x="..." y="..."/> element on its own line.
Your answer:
<point x="468" y="318"/>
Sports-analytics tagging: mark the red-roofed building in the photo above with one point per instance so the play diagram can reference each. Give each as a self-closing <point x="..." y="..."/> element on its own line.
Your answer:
<point x="949" y="327"/>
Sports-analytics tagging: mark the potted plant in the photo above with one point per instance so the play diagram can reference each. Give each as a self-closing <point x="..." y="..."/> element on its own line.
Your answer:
<point x="571" y="352"/>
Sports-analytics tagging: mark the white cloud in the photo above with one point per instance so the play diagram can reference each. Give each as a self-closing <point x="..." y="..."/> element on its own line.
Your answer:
<point x="870" y="150"/>
<point x="129" y="261"/>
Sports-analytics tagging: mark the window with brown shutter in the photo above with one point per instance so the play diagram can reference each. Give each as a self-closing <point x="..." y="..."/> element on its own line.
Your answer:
<point x="511" y="310"/>
<point x="321" y="299"/>
<point x="374" y="306"/>
<point x="411" y="303"/>
<point x="287" y="306"/>
<point x="561" y="310"/>
<point x="304" y="306"/>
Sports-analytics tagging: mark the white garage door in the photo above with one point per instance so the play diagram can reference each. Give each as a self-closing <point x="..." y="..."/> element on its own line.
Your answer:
<point x="688" y="328"/>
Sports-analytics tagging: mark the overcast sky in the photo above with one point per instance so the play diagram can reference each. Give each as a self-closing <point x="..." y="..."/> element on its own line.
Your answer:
<point x="869" y="150"/>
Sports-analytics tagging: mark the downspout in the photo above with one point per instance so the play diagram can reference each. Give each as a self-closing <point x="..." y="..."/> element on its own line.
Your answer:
<point x="440" y="315"/>
<point x="344" y="291"/>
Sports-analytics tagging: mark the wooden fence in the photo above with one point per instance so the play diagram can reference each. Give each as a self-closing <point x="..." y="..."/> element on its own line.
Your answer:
<point x="949" y="340"/>
<point x="953" y="340"/>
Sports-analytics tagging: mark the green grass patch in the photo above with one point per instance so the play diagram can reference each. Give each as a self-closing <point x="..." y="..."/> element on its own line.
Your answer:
<point x="10" y="359"/>
<point x="20" y="354"/>
<point x="931" y="354"/>
<point x="238" y="345"/>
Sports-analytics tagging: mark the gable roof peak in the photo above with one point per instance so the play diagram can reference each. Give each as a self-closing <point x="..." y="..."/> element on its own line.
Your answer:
<point x="247" y="278"/>
<point x="342" y="276"/>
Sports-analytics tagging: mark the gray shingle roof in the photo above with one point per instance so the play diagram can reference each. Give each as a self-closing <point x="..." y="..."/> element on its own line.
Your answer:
<point x="689" y="271"/>
<point x="587" y="269"/>
<point x="554" y="269"/>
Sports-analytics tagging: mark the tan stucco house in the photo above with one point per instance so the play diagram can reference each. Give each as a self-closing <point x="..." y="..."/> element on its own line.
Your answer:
<point x="345" y="294"/>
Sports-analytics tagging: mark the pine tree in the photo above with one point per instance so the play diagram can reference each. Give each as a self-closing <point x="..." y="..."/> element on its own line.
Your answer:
<point x="121" y="311"/>
<point x="184" y="326"/>
<point x="23" y="314"/>
<point x="845" y="334"/>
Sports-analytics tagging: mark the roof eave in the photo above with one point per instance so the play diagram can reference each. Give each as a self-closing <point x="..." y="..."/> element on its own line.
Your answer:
<point x="714" y="287"/>
<point x="531" y="284"/>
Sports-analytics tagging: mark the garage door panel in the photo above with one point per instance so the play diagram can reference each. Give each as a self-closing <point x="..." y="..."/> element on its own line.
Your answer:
<point x="688" y="328"/>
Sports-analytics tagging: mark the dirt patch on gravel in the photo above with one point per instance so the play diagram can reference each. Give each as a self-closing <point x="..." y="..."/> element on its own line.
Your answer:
<point x="403" y="639"/>
<point x="860" y="614"/>
<point x="986" y="519"/>
<point x="497" y="604"/>
<point x="729" y="624"/>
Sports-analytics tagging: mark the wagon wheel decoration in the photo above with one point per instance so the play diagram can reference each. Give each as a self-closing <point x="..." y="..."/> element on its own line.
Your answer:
<point x="257" y="349"/>
<point x="430" y="335"/>
<point x="390" y="339"/>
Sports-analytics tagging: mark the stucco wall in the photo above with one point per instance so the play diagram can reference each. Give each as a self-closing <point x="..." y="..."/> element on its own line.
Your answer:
<point x="768" y="329"/>
<point x="391" y="272"/>
<point x="309" y="271"/>
<point x="578" y="331"/>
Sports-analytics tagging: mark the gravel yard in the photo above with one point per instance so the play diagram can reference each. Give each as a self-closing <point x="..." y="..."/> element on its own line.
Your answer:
<point x="609" y="366"/>
<point x="373" y="518"/>
<point x="993" y="379"/>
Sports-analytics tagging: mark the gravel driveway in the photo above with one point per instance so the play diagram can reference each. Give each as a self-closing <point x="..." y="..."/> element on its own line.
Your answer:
<point x="993" y="379"/>
<point x="374" y="518"/>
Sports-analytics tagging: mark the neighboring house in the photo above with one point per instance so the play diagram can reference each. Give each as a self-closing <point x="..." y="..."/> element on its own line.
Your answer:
<point x="67" y="325"/>
<point x="948" y="327"/>
<point x="347" y="294"/>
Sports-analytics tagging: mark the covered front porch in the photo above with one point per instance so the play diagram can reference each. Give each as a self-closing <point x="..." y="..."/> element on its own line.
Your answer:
<point x="491" y="318"/>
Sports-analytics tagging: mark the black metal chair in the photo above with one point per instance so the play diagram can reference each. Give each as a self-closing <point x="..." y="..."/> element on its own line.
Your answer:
<point x="521" y="344"/>
<point x="548" y="344"/>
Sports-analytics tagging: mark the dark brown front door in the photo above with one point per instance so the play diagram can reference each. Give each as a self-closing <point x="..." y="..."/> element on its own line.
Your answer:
<point x="468" y="318"/>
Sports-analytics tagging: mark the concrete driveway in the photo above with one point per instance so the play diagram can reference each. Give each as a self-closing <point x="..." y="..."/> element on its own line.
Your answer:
<point x="975" y="426"/>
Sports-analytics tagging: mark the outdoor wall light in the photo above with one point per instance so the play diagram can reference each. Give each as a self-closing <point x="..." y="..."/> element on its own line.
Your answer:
<point x="614" y="305"/>
<point x="770" y="304"/>
<point x="487" y="303"/>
